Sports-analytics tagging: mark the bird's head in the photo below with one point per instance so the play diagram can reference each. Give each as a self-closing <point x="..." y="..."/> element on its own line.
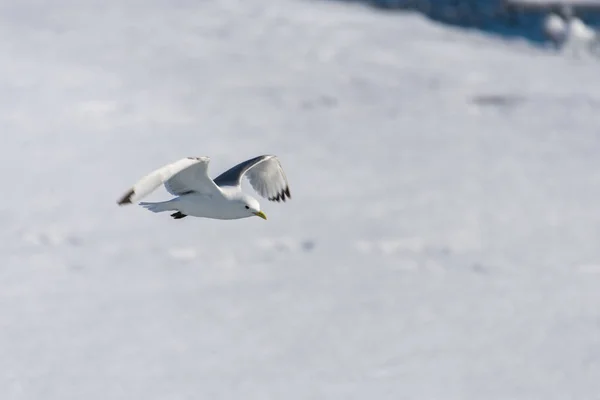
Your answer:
<point x="252" y="207"/>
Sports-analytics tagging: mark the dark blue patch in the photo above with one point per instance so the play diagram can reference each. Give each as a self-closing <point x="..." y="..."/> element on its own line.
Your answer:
<point x="495" y="17"/>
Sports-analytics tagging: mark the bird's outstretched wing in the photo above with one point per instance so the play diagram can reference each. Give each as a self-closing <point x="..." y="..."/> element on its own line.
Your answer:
<point x="265" y="175"/>
<point x="186" y="175"/>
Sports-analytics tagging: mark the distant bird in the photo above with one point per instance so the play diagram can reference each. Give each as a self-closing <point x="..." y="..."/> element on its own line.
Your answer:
<point x="555" y="29"/>
<point x="222" y="198"/>
<point x="568" y="32"/>
<point x="580" y="38"/>
<point x="577" y="29"/>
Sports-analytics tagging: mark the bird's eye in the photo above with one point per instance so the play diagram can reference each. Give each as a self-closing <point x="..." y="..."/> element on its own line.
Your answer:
<point x="247" y="208"/>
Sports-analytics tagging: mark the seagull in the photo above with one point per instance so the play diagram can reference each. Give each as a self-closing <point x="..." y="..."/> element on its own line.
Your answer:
<point x="555" y="29"/>
<point x="198" y="195"/>
<point x="578" y="30"/>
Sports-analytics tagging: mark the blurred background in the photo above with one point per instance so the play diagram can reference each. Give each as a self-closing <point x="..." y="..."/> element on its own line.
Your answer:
<point x="559" y="22"/>
<point x="442" y="237"/>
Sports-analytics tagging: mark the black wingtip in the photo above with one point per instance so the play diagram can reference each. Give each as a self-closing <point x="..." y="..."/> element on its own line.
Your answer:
<point x="126" y="199"/>
<point x="283" y="195"/>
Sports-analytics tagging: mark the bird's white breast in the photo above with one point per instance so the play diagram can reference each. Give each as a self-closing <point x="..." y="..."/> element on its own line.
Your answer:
<point x="210" y="206"/>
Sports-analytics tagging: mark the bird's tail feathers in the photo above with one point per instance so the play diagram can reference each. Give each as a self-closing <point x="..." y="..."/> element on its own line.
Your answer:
<point x="159" y="207"/>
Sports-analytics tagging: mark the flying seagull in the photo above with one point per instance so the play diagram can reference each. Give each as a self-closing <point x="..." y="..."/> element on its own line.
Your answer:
<point x="198" y="195"/>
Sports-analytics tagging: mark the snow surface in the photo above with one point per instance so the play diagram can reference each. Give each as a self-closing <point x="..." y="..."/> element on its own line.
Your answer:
<point x="441" y="243"/>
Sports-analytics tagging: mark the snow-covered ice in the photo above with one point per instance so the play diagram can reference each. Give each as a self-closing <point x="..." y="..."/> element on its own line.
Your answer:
<point x="442" y="241"/>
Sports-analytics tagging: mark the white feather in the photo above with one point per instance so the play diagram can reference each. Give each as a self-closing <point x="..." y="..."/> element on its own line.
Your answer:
<point x="268" y="179"/>
<point x="185" y="175"/>
<point x="555" y="27"/>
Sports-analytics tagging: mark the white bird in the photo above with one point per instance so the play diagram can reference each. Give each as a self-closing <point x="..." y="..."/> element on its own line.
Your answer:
<point x="580" y="38"/>
<point x="555" y="28"/>
<point x="577" y="29"/>
<point x="198" y="195"/>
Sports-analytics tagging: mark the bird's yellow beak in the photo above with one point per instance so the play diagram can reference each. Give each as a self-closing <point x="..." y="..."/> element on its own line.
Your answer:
<point x="260" y="214"/>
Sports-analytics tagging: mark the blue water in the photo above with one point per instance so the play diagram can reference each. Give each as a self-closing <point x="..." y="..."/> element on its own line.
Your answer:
<point x="490" y="16"/>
